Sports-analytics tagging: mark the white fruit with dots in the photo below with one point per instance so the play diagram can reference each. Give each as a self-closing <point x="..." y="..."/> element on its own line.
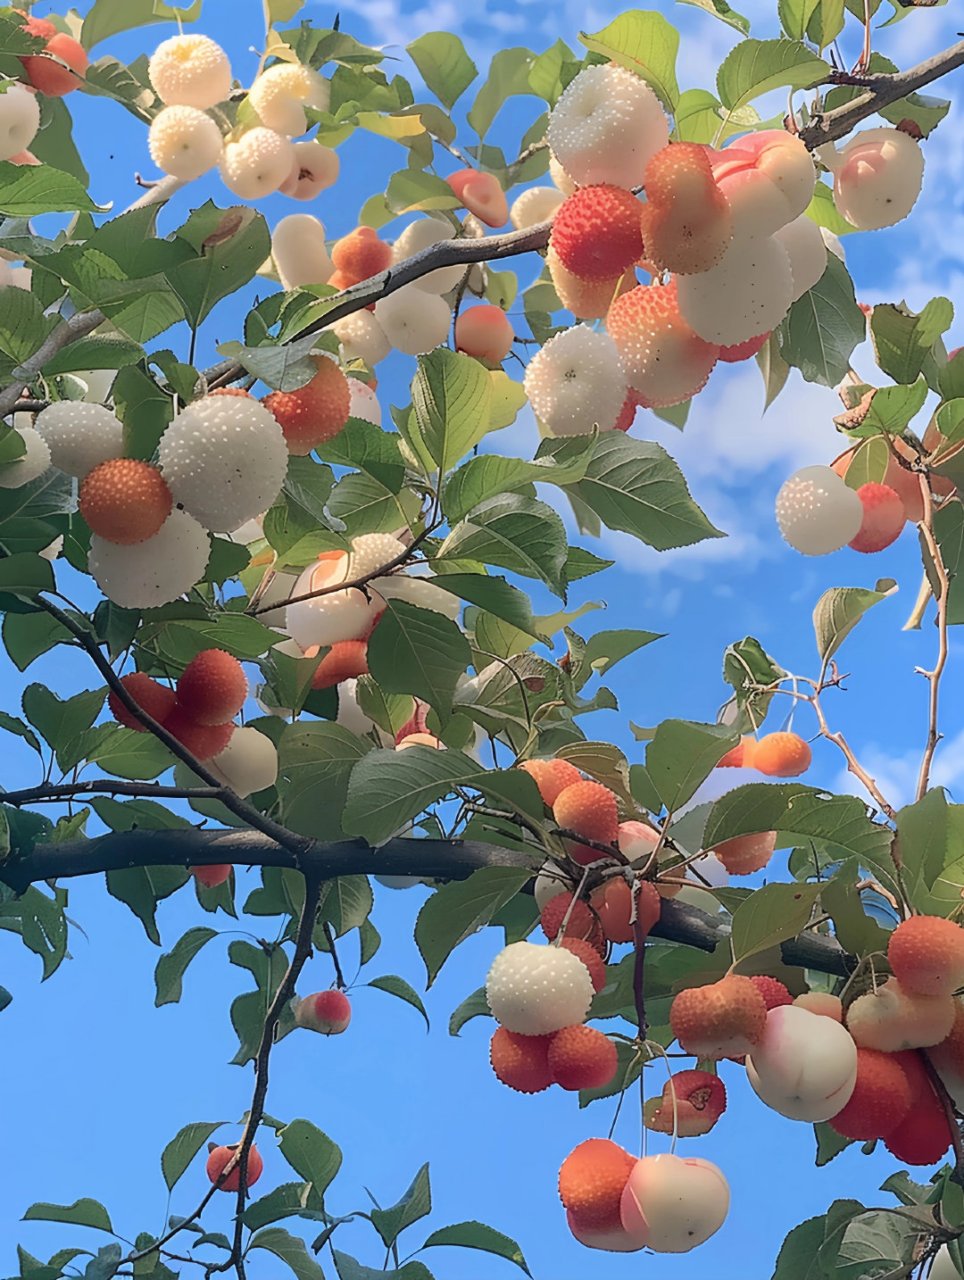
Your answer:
<point x="538" y="204"/>
<point x="877" y="178"/>
<point x="249" y="762"/>
<point x="155" y="572"/>
<point x="549" y="884"/>
<point x="257" y="163"/>
<point x="80" y="436"/>
<point x="805" y="1067"/>
<point x="414" y="321"/>
<point x="817" y="512"/>
<point x="225" y="460"/>
<point x="326" y="619"/>
<point x="606" y="127"/>
<point x="671" y="1204"/>
<point x="806" y="250"/>
<point x="371" y="551"/>
<point x="363" y="400"/>
<point x="184" y="142"/>
<point x="535" y="990"/>
<point x="422" y="234"/>
<point x="575" y="382"/>
<point x="280" y="95"/>
<point x="190" y="71"/>
<point x="746" y="294"/>
<point x="315" y="169"/>
<point x="419" y="592"/>
<point x="299" y="251"/>
<point x="560" y="179"/>
<point x="362" y="338"/>
<point x="19" y="119"/>
<point x="30" y="465"/>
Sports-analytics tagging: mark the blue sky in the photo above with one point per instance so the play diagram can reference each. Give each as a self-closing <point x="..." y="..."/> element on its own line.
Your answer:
<point x="98" y="1081"/>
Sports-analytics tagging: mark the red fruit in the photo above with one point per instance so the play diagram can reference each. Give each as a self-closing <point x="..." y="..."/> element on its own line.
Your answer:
<point x="590" y="957"/>
<point x="220" y="1157"/>
<point x="664" y="360"/>
<point x="700" y="1101"/>
<point x="327" y="1012"/>
<point x="521" y="1061"/>
<point x="24" y="157"/>
<point x="203" y="741"/>
<point x="156" y="699"/>
<point x="212" y="687"/>
<point x="210" y="877"/>
<point x="484" y="332"/>
<point x="772" y="990"/>
<point x="551" y="777"/>
<point x="582" y="923"/>
<point x="926" y="954"/>
<point x="125" y="501"/>
<point x="743" y="350"/>
<point x="884" y="518"/>
<point x="745" y="854"/>
<point x="37" y="26"/>
<point x="721" y="1020"/>
<point x="345" y="660"/>
<point x="627" y="414"/>
<point x="50" y="77"/>
<point x="416" y="723"/>
<point x="589" y="809"/>
<point x="581" y="1058"/>
<point x="782" y="755"/>
<point x="314" y="413"/>
<point x="740" y="756"/>
<point x="359" y="256"/>
<point x="481" y="194"/>
<point x="687" y="223"/>
<point x="596" y="232"/>
<point x="613" y="904"/>
<point x="592" y="1179"/>
<point x="881" y="1098"/>
<point x="923" y="1135"/>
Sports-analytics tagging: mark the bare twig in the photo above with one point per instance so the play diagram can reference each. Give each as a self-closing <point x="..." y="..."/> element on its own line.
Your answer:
<point x="933" y="676"/>
<point x="57" y="792"/>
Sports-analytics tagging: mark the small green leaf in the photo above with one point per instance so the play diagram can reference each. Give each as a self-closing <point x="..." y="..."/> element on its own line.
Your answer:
<point x="311" y="1153"/>
<point x="26" y="191"/>
<point x="681" y="756"/>
<point x="451" y="396"/>
<point x="290" y="1249"/>
<point x="443" y="64"/>
<point x="457" y="910"/>
<point x="142" y="888"/>
<point x="839" y="610"/>
<point x="770" y="916"/>
<point x="903" y="339"/>
<point x="474" y="1006"/>
<point x="171" y="967"/>
<point x="106" y="18"/>
<point x="182" y="1149"/>
<point x="647" y="44"/>
<point x="420" y="652"/>
<point x="722" y="10"/>
<point x="824" y="327"/>
<point x="476" y="1235"/>
<point x="414" y="1205"/>
<point x="398" y="987"/>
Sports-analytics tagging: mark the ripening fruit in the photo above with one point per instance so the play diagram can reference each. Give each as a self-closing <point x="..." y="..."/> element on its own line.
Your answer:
<point x="341" y="615"/>
<point x="551" y="777"/>
<point x="421" y="592"/>
<point x="880" y="1100"/>
<point x="804" y="1066"/>
<point x="590" y="957"/>
<point x="926" y="954"/>
<point x="203" y="741"/>
<point x="743" y="350"/>
<point x="877" y="178"/>
<point x="19" y="120"/>
<point x="575" y="382"/>
<point x="280" y="95"/>
<point x="422" y="234"/>
<point x="156" y="699"/>
<point x="613" y="905"/>
<point x="817" y="512"/>
<point x="686" y="224"/>
<point x="721" y="1020"/>
<point x="637" y="840"/>
<point x="700" y="1100"/>
<point x="124" y="500"/>
<point x="371" y="552"/>
<point x="745" y="854"/>
<point x="588" y="809"/>
<point x="48" y="76"/>
<point x="551" y="880"/>
<point x="806" y="250"/>
<point x="212" y="688"/>
<point x="748" y="292"/>
<point x="184" y="142"/>
<point x="221" y="1157"/>
<point x="190" y="71"/>
<point x="360" y="255"/>
<point x="671" y="1205"/>
<point x="315" y="412"/>
<point x="521" y="1062"/>
<point x="31" y="464"/>
<point x="257" y="163"/>
<point x="775" y="994"/>
<point x="482" y="195"/>
<point x="768" y="178"/>
<point x="343" y="661"/>
<point x="153" y="572"/>
<point x="484" y="332"/>
<point x="924" y="1135"/>
<point x="581" y="1058"/>
<point x="249" y="763"/>
<point x="591" y="1182"/>
<point x="883" y="519"/>
<point x="740" y="756"/>
<point x="627" y="414"/>
<point x="225" y="460"/>
<point x="586" y="299"/>
<point x="327" y="1012"/>
<point x="414" y="321"/>
<point x="538" y="204"/>
<point x="821" y="1002"/>
<point x="596" y="232"/>
<point x="419" y="740"/>
<point x="582" y="922"/>
<point x="537" y="990"/>
<point x="299" y="251"/>
<point x="363" y="401"/>
<point x="80" y="435"/>
<point x="606" y="127"/>
<point x="39" y="27"/>
<point x="664" y="360"/>
<point x="892" y="1018"/>
<point x="362" y="338"/>
<point x="782" y="755"/>
<point x="948" y="1056"/>
<point x="211" y="876"/>
<point x="315" y="169"/>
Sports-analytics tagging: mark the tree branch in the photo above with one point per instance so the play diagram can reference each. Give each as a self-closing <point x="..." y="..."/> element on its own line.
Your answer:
<point x="933" y="676"/>
<point x="57" y="792"/>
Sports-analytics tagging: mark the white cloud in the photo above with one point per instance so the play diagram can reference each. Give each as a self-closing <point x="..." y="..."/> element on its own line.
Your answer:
<point x="896" y="773"/>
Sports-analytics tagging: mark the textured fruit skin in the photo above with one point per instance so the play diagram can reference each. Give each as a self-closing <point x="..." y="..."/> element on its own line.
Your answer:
<point x="926" y="954"/>
<point x="80" y="435"/>
<point x="49" y="77"/>
<point x="700" y="1101"/>
<point x="664" y="359"/>
<point x="125" y="501"/>
<point x="327" y="1012"/>
<point x="586" y="299"/>
<point x="156" y="699"/>
<point x="686" y="224"/>
<point x="671" y="1204"/>
<point x="582" y="922"/>
<point x="816" y="512"/>
<point x="537" y="990"/>
<point x="891" y="1019"/>
<point x="575" y="382"/>
<point x="782" y="755"/>
<point x="637" y="840"/>
<point x="821" y="1002"/>
<point x="581" y="1058"/>
<point x="877" y="178"/>
<point x="484" y="332"/>
<point x="588" y="809"/>
<point x="184" y="142"/>
<point x="220" y="1157"/>
<point x="596" y="232"/>
<point x="191" y="71"/>
<point x="203" y="741"/>
<point x="881" y="1098"/>
<point x="613" y="904"/>
<point x="211" y="876"/>
<point x="773" y="991"/>
<point x="551" y="777"/>
<point x="590" y="957"/>
<point x="315" y="169"/>
<point x="345" y="660"/>
<point x="719" y="1020"/>
<point x="212" y="687"/>
<point x="153" y="572"/>
<point x="314" y="413"/>
<point x="883" y="520"/>
<point x="743" y="350"/>
<point x="924" y="1135"/>
<point x="360" y="255"/>
<point x="591" y="1182"/>
<point x="249" y="762"/>
<point x="520" y="1062"/>
<point x="745" y="854"/>
<point x="257" y="164"/>
<point x="948" y="1055"/>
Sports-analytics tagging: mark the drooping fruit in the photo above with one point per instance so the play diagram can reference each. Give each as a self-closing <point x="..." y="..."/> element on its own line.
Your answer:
<point x="690" y="1104"/>
<point x="315" y="412"/>
<point x="156" y="699"/>
<point x="883" y="519"/>
<point x="212" y="687"/>
<point x="124" y="500"/>
<point x="926" y="954"/>
<point x="782" y="755"/>
<point x="588" y="809"/>
<point x="219" y="1159"/>
<point x="596" y="232"/>
<point x="327" y="1012"/>
<point x="551" y="777"/>
<point x="581" y="1057"/>
<point x="742" y="855"/>
<point x="720" y="1020"/>
<point x="804" y="1066"/>
<point x="893" y="1018"/>
<point x="664" y="360"/>
<point x="880" y="1100"/>
<point x="671" y="1204"/>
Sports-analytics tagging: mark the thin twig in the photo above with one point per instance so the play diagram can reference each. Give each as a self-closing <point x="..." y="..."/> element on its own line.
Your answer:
<point x="933" y="676"/>
<point x="51" y="792"/>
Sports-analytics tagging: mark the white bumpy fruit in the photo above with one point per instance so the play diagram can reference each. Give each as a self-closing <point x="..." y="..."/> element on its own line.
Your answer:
<point x="31" y="464"/>
<point x="538" y="204"/>
<point x="817" y="512"/>
<point x="422" y="234"/>
<point x="225" y="459"/>
<point x="190" y="71"/>
<point x="606" y="127"/>
<point x="155" y="572"/>
<point x="19" y="119"/>
<point x="414" y="321"/>
<point x="362" y="338"/>
<point x="746" y="294"/>
<point x="575" y="382"/>
<point x="805" y="1067"/>
<point x="249" y="762"/>
<point x="258" y="163"/>
<point x="80" y="436"/>
<point x="371" y="551"/>
<point x="299" y="251"/>
<point x="877" y="177"/>
<point x="535" y="990"/>
<point x="184" y="142"/>
<point x="315" y="169"/>
<point x="807" y="250"/>
<point x="280" y="95"/>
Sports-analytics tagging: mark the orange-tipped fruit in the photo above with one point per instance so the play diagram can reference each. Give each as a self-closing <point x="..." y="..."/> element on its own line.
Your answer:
<point x="212" y="687"/>
<point x="520" y="1062"/>
<point x="700" y="1101"/>
<point x="157" y="700"/>
<point x="782" y="755"/>
<point x="721" y="1020"/>
<point x="551" y="777"/>
<point x="589" y="810"/>
<point x="926" y="954"/>
<point x="613" y="904"/>
<point x="591" y="1182"/>
<point x="581" y="1057"/>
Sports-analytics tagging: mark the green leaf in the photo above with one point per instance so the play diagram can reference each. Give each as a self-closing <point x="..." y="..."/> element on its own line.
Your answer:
<point x="681" y="756"/>
<point x="839" y="610"/>
<point x="182" y="1149"/>
<point x="722" y="10"/>
<point x="414" y="1205"/>
<point x="142" y="888"/>
<point x="315" y="760"/>
<point x="420" y="652"/>
<point x="451" y="394"/>
<point x="770" y="916"/>
<point x="876" y="1243"/>
<point x="516" y="533"/>
<point x="389" y="788"/>
<point x="107" y="18"/>
<point x="61" y="723"/>
<point x="606" y="648"/>
<point x="12" y="724"/>
<point x="456" y="910"/>
<point x="350" y="1268"/>
<point x="797" y="1259"/>
<point x="443" y="64"/>
<point x="290" y="1199"/>
<point x="824" y="327"/>
<point x="795" y="16"/>
<point x="125" y="753"/>
<point x="498" y="597"/>
<point x="231" y="245"/>
<point x="26" y="573"/>
<point x="755" y="67"/>
<point x="311" y="1153"/>
<point x="171" y="967"/>
<point x="474" y="1006"/>
<point x="26" y="191"/>
<point x="476" y="1235"/>
<point x="830" y="1143"/>
<point x="893" y="408"/>
<point x="903" y="339"/>
<point x="490" y="475"/>
<point x="647" y="44"/>
<point x="290" y="1250"/>
<point x="82" y="1213"/>
<point x="23" y="325"/>
<point x="396" y="986"/>
<point x="28" y="635"/>
<point x="284" y="367"/>
<point x="177" y="642"/>
<point x="508" y="76"/>
<point x="347" y="903"/>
